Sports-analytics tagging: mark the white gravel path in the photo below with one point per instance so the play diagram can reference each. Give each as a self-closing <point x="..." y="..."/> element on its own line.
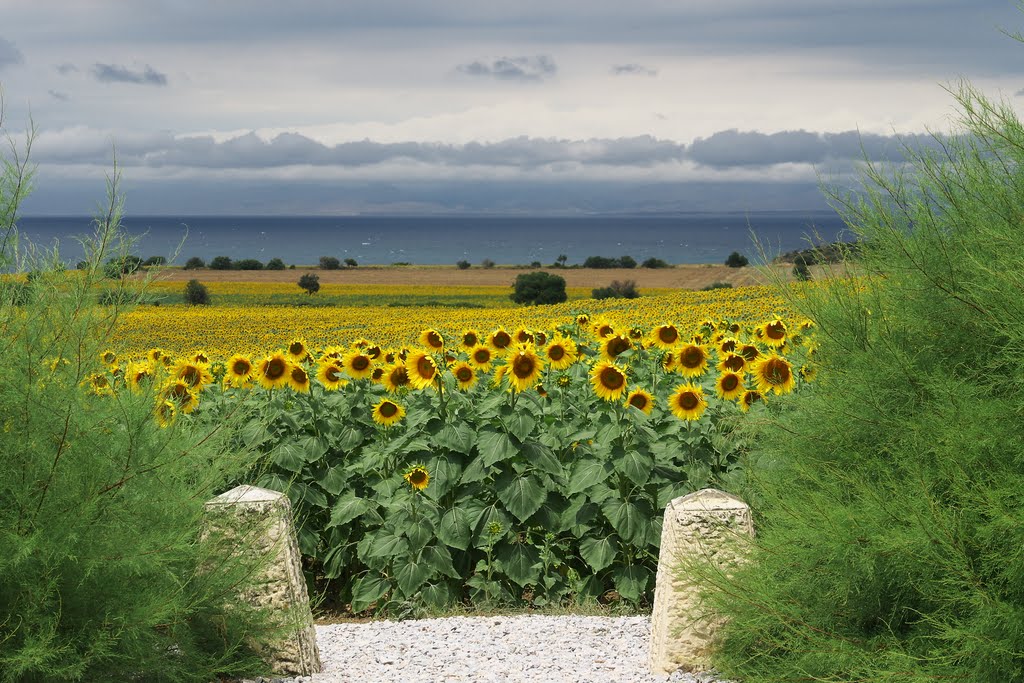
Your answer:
<point x="509" y="649"/>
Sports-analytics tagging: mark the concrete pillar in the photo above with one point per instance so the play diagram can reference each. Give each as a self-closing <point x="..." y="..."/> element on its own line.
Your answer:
<point x="707" y="526"/>
<point x="264" y="517"/>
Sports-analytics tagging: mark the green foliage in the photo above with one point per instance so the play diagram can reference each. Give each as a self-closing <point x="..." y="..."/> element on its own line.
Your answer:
<point x="104" y="573"/>
<point x="310" y="282"/>
<point x="736" y="260"/>
<point x="196" y="293"/>
<point x="275" y="264"/>
<point x="716" y="285"/>
<point x="351" y="262"/>
<point x="800" y="270"/>
<point x="539" y="288"/>
<point x="624" y="289"/>
<point x="221" y="263"/>
<point x="119" y="266"/>
<point x="195" y="262"/>
<point x="463" y="264"/>
<point x="329" y="263"/>
<point x="655" y="263"/>
<point x="247" y="264"/>
<point x="155" y="261"/>
<point x="889" y="502"/>
<point x="487" y="263"/>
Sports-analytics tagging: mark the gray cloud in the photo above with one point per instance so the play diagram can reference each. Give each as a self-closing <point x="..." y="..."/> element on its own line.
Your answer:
<point x="1019" y="93"/>
<point x="66" y="68"/>
<point x="534" y="68"/>
<point x="114" y="73"/>
<point x="632" y="70"/>
<point x="9" y="54"/>
<point x="57" y="95"/>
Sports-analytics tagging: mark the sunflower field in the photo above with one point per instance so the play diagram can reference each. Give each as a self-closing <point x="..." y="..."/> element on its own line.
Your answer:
<point x="520" y="464"/>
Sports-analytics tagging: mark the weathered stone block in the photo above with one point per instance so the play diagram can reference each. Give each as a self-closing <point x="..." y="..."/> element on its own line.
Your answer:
<point x="264" y="518"/>
<point x="709" y="528"/>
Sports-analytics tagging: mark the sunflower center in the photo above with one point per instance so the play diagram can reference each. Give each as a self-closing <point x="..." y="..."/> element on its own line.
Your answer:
<point x="373" y="351"/>
<point x="775" y="330"/>
<point x="501" y="339"/>
<point x="425" y="367"/>
<point x="556" y="353"/>
<point x="776" y="371"/>
<point x="617" y="345"/>
<point x="749" y="352"/>
<point x="417" y="477"/>
<point x="469" y="339"/>
<point x="360" y="363"/>
<point x="729" y="346"/>
<point x="109" y="357"/>
<point x="668" y="334"/>
<point x="482" y="356"/>
<point x="734" y="362"/>
<point x="730" y="382"/>
<point x="240" y="367"/>
<point x="434" y="339"/>
<point x="332" y="373"/>
<point x="691" y="357"/>
<point x="524" y="336"/>
<point x="388" y="409"/>
<point x="275" y="368"/>
<point x="191" y="375"/>
<point x="638" y="401"/>
<point x="751" y="396"/>
<point x="399" y="377"/>
<point x="611" y="378"/>
<point x="688" y="400"/>
<point x="604" y="330"/>
<point x="299" y="375"/>
<point x="296" y="348"/>
<point x="463" y="374"/>
<point x="523" y="366"/>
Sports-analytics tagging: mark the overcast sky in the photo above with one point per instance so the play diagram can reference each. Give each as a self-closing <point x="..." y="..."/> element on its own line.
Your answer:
<point x="230" y="106"/>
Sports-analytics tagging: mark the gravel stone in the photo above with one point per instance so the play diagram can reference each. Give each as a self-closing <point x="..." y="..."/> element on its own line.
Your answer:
<point x="504" y="649"/>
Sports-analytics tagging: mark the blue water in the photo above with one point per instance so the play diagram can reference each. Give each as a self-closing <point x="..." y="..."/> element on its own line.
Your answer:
<point x="302" y="240"/>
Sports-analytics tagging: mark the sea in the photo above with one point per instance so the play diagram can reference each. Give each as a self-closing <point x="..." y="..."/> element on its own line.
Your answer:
<point x="429" y="240"/>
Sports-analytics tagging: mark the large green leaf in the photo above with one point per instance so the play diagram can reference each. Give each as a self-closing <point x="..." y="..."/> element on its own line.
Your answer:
<point x="457" y="436"/>
<point x="348" y="439"/>
<point x="541" y="457"/>
<point x="599" y="552"/>
<point x="522" y="494"/>
<point x="438" y="595"/>
<point x="520" y="424"/>
<point x="440" y="560"/>
<point x="631" y="582"/>
<point x="475" y="471"/>
<point x="630" y="519"/>
<point x="520" y="562"/>
<point x="587" y="473"/>
<point x="333" y="480"/>
<point x="289" y="456"/>
<point x="634" y="463"/>
<point x="445" y="471"/>
<point x="348" y="508"/>
<point x="495" y="446"/>
<point x="367" y="590"/>
<point x="490" y="514"/>
<point x="411" y="574"/>
<point x="313" y="447"/>
<point x="418" y="532"/>
<point x="387" y="544"/>
<point x="454" y="528"/>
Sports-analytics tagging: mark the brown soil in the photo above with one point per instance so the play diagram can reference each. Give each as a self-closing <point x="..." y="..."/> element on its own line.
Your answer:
<point x="685" y="276"/>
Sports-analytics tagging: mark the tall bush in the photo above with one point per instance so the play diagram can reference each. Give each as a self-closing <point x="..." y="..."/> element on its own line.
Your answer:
<point x="890" y="502"/>
<point x="104" y="575"/>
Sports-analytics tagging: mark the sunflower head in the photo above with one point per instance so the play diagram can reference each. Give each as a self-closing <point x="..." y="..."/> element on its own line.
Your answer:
<point x="732" y="362"/>
<point x="749" y="398"/>
<point x="138" y="375"/>
<point x="165" y="413"/>
<point x="773" y="373"/>
<point x="582" y="319"/>
<point x="608" y="380"/>
<point x="274" y="371"/>
<point x="499" y="339"/>
<point x="603" y="328"/>
<point x="108" y="357"/>
<point x="358" y="364"/>
<point x="239" y="370"/>
<point x="432" y="339"/>
<point x="561" y="353"/>
<point x="386" y="412"/>
<point x="298" y="350"/>
<point x="749" y="352"/>
<point x="200" y="357"/>
<point x="417" y="477"/>
<point x="539" y="338"/>
<point x="522" y="336"/>
<point x="774" y="333"/>
<point x="395" y="377"/>
<point x="196" y="375"/>
<point x="481" y="357"/>
<point x="98" y="383"/>
<point x="470" y="338"/>
<point x="665" y="336"/>
<point x="422" y="370"/>
<point x="464" y="375"/>
<point x="178" y="392"/>
<point x="613" y="345"/>
<point x="524" y="368"/>
<point x="693" y="360"/>
<point x="641" y="400"/>
<point x="727" y="345"/>
<point x="298" y="379"/>
<point x="729" y="386"/>
<point x="808" y="372"/>
<point x="329" y="374"/>
<point x="687" y="402"/>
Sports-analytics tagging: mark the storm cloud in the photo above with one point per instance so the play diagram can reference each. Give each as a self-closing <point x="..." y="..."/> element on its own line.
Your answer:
<point x="9" y="54"/>
<point x="114" y="73"/>
<point x="535" y="68"/>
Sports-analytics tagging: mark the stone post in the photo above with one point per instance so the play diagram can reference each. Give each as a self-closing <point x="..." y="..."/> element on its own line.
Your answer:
<point x="265" y="518"/>
<point x="704" y="526"/>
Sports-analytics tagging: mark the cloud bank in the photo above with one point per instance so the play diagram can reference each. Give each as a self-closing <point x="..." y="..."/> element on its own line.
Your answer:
<point x="535" y="68"/>
<point x="114" y="73"/>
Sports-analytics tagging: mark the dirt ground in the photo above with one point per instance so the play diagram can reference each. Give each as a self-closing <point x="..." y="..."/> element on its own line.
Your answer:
<point x="685" y="276"/>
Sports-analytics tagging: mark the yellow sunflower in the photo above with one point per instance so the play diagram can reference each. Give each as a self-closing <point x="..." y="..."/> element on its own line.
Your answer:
<point x="328" y="373"/>
<point x="732" y="362"/>
<point x="665" y="336"/>
<point x="298" y="379"/>
<point x="357" y="364"/>
<point x="481" y="357"/>
<point x="165" y="413"/>
<point x="693" y="360"/>
<point x="239" y="370"/>
<point x="200" y="357"/>
<point x="108" y="357"/>
<point x="499" y="340"/>
<point x="808" y="372"/>
<point x="603" y="328"/>
<point x="524" y="368"/>
<point x="99" y="384"/>
<point x="432" y="339"/>
<point x="377" y="375"/>
<point x="373" y="351"/>
<point x="136" y="375"/>
<point x="669" y="361"/>
<point x="613" y="345"/>
<point x="464" y="374"/>
<point x="155" y="355"/>
<point x="422" y="369"/>
<point x="470" y="338"/>
<point x="687" y="402"/>
<point x="561" y="353"/>
<point x="749" y="352"/>
<point x="181" y="394"/>
<point x="298" y="350"/>
<point x="727" y="345"/>
<point x="748" y="399"/>
<point x="582" y="319"/>
<point x="774" y="333"/>
<point x="387" y="412"/>
<point x="499" y="374"/>
<point x="729" y="386"/>
<point x="608" y="380"/>
<point x="522" y="336"/>
<point x="417" y="477"/>
<point x="273" y="371"/>
<point x="539" y="338"/>
<point x="196" y="375"/>
<point x="395" y="377"/>
<point x="641" y="400"/>
<point x="773" y="373"/>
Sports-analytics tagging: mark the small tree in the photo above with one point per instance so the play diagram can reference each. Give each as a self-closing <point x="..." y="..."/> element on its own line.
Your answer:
<point x="463" y="264"/>
<point x="655" y="263"/>
<point x="627" y="262"/>
<point x="625" y="289"/>
<point x="800" y="270"/>
<point x="196" y="293"/>
<point x="195" y="262"/>
<point x="275" y="264"/>
<point x="248" y="264"/>
<point x="736" y="260"/>
<point x="310" y="282"/>
<point x="560" y="261"/>
<point x="487" y="263"/>
<point x="539" y="288"/>
<point x="221" y="263"/>
<point x="329" y="263"/>
<point x="351" y="262"/>
<point x="155" y="261"/>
